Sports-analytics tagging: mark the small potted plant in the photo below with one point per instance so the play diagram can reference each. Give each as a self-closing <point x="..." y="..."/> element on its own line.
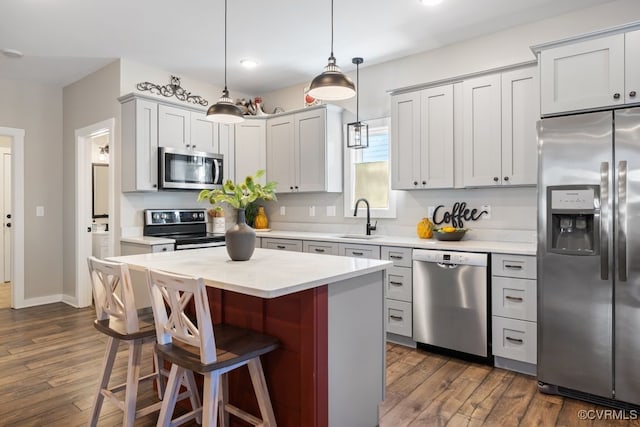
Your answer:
<point x="241" y="238"/>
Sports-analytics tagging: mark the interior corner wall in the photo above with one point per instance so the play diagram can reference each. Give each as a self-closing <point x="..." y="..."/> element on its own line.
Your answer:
<point x="88" y="101"/>
<point x="38" y="110"/>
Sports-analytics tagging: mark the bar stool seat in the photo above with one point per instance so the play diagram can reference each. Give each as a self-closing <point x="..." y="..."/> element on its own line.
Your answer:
<point x="210" y="350"/>
<point x="117" y="328"/>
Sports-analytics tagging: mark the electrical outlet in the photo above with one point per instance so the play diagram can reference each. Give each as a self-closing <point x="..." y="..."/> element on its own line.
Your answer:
<point x="283" y="211"/>
<point x="430" y="210"/>
<point x="39" y="210"/>
<point x="488" y="209"/>
<point x="331" y="211"/>
<point x="312" y="211"/>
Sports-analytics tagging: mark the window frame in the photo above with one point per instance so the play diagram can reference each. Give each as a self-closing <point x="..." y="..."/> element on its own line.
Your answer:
<point x="350" y="155"/>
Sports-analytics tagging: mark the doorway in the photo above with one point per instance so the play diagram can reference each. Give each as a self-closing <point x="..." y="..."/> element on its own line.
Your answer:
<point x="94" y="145"/>
<point x="12" y="217"/>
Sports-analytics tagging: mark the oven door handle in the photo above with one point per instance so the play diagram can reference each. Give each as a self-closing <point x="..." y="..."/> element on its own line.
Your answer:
<point x="180" y="247"/>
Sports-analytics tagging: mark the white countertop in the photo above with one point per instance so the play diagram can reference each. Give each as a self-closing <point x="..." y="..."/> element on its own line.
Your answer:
<point x="517" y="248"/>
<point x="268" y="274"/>
<point x="147" y="240"/>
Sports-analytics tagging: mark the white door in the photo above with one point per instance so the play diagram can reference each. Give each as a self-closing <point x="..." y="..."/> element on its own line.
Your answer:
<point x="251" y="149"/>
<point x="5" y="211"/>
<point x="632" y="67"/>
<point x="405" y="141"/>
<point x="280" y="153"/>
<point x="174" y="127"/>
<point x="436" y="127"/>
<point x="310" y="150"/>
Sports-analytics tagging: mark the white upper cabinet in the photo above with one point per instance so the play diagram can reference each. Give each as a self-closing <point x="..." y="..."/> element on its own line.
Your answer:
<point x="500" y="114"/>
<point x="520" y="112"/>
<point x="583" y="75"/>
<point x="250" y="148"/>
<point x="225" y="144"/>
<point x="632" y="66"/>
<point x="422" y="139"/>
<point x="139" y="144"/>
<point x="186" y="129"/>
<point x="304" y="150"/>
<point x="482" y="131"/>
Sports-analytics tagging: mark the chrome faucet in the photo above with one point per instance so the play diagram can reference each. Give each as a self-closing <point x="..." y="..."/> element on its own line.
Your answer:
<point x="370" y="227"/>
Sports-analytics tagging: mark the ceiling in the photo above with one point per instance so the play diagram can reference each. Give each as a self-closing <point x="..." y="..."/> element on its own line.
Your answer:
<point x="65" y="40"/>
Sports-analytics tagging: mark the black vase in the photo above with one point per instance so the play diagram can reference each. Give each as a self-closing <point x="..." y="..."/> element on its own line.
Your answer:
<point x="240" y="239"/>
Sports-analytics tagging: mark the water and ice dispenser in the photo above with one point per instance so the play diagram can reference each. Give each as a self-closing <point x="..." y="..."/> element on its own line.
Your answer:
<point x="573" y="219"/>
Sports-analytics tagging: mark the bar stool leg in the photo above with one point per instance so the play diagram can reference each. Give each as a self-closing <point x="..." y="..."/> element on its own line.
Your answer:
<point x="133" y="375"/>
<point x="107" y="367"/>
<point x="171" y="395"/>
<point x="210" y="399"/>
<point x="194" y="397"/>
<point x="223" y="417"/>
<point x="158" y="363"/>
<point x="262" y="393"/>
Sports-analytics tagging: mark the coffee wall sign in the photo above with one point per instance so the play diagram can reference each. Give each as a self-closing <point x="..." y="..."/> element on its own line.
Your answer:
<point x="457" y="215"/>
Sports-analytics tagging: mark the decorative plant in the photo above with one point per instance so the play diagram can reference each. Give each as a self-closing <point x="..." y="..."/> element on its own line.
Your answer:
<point x="240" y="195"/>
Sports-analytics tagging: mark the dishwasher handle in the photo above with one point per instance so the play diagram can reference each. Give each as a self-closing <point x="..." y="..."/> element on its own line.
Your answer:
<point x="447" y="266"/>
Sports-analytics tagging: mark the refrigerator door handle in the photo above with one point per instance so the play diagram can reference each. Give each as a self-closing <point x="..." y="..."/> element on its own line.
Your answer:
<point x="622" y="220"/>
<point x="604" y="220"/>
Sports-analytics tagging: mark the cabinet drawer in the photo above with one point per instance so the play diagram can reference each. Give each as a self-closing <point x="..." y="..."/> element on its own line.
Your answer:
<point x="521" y="266"/>
<point x="514" y="298"/>
<point x="401" y="257"/>
<point x="398" y="317"/>
<point x="360" y="251"/>
<point x="323" y="248"/>
<point x="282" y="244"/>
<point x="162" y="248"/>
<point x="514" y="339"/>
<point x="399" y="281"/>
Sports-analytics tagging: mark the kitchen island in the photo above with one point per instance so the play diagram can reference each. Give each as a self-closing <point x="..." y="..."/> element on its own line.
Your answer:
<point x="327" y="311"/>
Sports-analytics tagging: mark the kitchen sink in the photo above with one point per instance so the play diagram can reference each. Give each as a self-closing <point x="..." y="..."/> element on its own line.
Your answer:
<point x="357" y="236"/>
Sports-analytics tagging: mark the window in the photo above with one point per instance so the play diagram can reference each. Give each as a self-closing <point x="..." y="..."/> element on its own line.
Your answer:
<point x="367" y="174"/>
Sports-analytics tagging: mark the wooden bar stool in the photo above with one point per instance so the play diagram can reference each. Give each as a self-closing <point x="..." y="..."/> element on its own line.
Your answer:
<point x="211" y="350"/>
<point x="118" y="318"/>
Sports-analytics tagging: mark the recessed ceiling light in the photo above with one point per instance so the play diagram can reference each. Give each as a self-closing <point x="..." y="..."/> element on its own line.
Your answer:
<point x="248" y="63"/>
<point x="12" y="53"/>
<point x="429" y="2"/>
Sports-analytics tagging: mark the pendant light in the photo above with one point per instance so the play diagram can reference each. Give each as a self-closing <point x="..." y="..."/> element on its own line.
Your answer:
<point x="225" y="111"/>
<point x="357" y="132"/>
<point x="332" y="84"/>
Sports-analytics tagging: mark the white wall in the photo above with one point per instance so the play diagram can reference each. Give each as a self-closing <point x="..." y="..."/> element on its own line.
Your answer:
<point x="38" y="110"/>
<point x="511" y="208"/>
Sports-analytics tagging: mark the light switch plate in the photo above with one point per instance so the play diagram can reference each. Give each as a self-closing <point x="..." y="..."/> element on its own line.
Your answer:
<point x="488" y="209"/>
<point x="312" y="211"/>
<point x="282" y="211"/>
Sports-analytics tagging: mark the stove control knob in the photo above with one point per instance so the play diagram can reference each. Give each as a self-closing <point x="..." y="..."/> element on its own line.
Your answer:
<point x="155" y="216"/>
<point x="194" y="215"/>
<point x="201" y="215"/>
<point x="163" y="216"/>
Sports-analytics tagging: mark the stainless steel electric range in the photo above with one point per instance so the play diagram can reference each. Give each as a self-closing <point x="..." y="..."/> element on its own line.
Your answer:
<point x="188" y="227"/>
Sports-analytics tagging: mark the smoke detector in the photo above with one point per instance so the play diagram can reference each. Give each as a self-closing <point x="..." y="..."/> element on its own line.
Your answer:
<point x="12" y="53"/>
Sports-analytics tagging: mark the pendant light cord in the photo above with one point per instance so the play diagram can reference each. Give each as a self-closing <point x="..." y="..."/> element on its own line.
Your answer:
<point x="225" y="45"/>
<point x="357" y="92"/>
<point x="332" y="28"/>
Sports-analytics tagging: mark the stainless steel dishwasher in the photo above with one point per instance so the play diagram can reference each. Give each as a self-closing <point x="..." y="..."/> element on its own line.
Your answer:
<point x="451" y="301"/>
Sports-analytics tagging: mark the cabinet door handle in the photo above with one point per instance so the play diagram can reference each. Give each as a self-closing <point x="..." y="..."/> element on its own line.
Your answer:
<point x="155" y="185"/>
<point x="616" y="95"/>
<point x="319" y="250"/>
<point x="395" y="283"/>
<point x="281" y="247"/>
<point x="415" y="182"/>
<point x="516" y="340"/>
<point x="424" y="182"/>
<point x="632" y="94"/>
<point x="291" y="188"/>
<point x="510" y="298"/>
<point x="399" y="318"/>
<point x="513" y="267"/>
<point x="395" y="256"/>
<point x="357" y="253"/>
<point x="506" y="178"/>
<point x="496" y="179"/>
<point x="164" y="249"/>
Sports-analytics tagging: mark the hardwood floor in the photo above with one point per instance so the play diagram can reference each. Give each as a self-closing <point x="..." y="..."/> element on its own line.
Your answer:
<point x="50" y="358"/>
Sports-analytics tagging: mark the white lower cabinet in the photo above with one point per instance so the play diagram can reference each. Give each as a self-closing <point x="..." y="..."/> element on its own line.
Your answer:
<point x="514" y="312"/>
<point x="398" y="317"/>
<point x="322" y="248"/>
<point x="399" y="293"/>
<point x="282" y="244"/>
<point x="359" y="251"/>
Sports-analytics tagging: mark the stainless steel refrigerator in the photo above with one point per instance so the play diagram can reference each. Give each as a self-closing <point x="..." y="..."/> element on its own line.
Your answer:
<point x="589" y="256"/>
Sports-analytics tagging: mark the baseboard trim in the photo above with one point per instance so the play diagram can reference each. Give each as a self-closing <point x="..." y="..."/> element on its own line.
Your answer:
<point x="49" y="299"/>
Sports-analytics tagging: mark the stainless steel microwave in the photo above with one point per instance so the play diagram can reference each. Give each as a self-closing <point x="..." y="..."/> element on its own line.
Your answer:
<point x="181" y="169"/>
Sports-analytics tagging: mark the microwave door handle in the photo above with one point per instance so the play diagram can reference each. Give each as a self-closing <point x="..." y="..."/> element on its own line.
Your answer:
<point x="216" y="178"/>
<point x="622" y="221"/>
<point x="604" y="220"/>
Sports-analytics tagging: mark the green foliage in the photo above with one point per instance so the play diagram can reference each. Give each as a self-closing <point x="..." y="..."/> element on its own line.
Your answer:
<point x="240" y="195"/>
<point x="250" y="213"/>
